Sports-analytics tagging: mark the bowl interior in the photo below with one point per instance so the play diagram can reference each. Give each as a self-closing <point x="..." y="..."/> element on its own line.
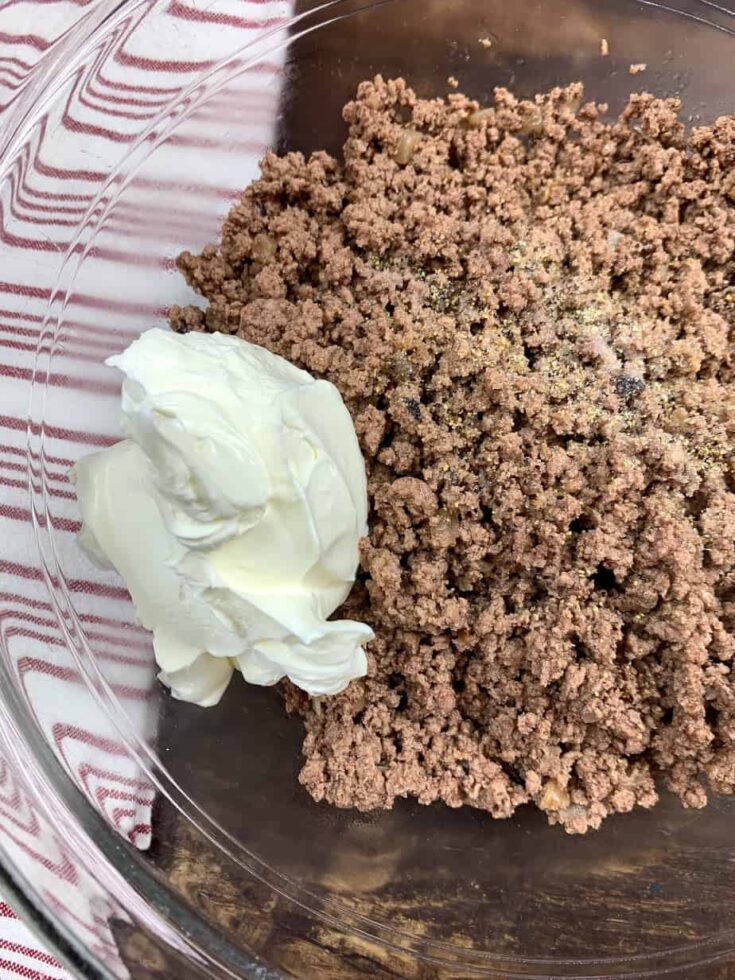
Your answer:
<point x="451" y="886"/>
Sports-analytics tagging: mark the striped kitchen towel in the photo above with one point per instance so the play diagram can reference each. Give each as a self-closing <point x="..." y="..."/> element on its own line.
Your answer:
<point x="67" y="629"/>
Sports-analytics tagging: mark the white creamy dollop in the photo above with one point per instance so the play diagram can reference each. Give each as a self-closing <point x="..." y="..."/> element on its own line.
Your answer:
<point x="233" y="512"/>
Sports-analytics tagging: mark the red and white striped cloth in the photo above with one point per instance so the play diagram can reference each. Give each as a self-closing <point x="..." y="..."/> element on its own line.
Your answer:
<point x="20" y="953"/>
<point x="149" y="53"/>
<point x="30" y="633"/>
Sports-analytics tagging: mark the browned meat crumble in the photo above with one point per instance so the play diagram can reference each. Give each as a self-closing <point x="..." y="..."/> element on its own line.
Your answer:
<point x="529" y="313"/>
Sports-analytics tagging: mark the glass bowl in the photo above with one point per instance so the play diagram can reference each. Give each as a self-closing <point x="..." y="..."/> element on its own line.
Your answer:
<point x="151" y="838"/>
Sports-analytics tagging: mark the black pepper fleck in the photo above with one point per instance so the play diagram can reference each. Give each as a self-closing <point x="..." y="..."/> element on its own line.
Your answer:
<point x="414" y="408"/>
<point x="628" y="386"/>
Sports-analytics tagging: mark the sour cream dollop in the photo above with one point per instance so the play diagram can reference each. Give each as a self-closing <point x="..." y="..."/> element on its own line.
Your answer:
<point x="233" y="512"/>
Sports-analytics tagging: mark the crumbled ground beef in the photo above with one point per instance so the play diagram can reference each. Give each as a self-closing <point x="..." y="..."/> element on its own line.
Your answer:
<point x="529" y="313"/>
